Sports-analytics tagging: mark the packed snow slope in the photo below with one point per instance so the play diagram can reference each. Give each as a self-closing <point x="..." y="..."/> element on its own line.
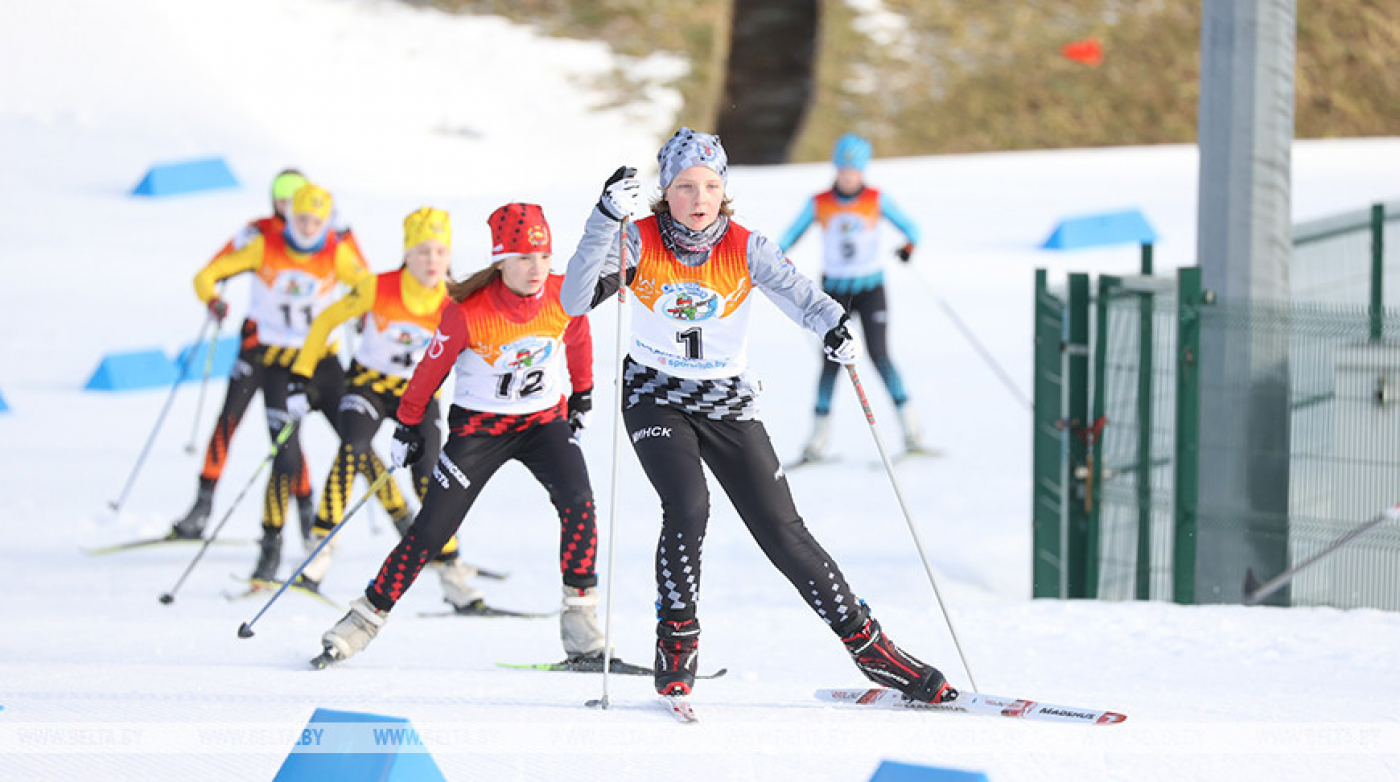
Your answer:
<point x="393" y="108"/>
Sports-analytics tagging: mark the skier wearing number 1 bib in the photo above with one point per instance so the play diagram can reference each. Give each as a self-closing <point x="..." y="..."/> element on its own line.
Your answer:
<point x="400" y="309"/>
<point x="687" y="398"/>
<point x="509" y="341"/>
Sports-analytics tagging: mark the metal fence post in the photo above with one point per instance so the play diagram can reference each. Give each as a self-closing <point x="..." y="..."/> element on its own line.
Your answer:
<point x="1188" y="436"/>
<point x="1377" y="271"/>
<point x="1048" y="490"/>
<point x="1077" y="551"/>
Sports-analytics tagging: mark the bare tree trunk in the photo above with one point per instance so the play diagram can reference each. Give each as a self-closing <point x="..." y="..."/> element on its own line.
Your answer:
<point x="770" y="78"/>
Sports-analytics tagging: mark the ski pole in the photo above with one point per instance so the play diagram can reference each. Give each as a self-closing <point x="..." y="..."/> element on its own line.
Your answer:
<point x="116" y="505"/>
<point x="203" y="386"/>
<point x="616" y="459"/>
<point x="245" y="630"/>
<point x="282" y="436"/>
<point x="977" y="346"/>
<point x="908" y="518"/>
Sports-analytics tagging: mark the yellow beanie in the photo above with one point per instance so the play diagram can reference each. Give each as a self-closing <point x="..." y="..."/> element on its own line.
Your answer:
<point x="312" y="199"/>
<point x="424" y="224"/>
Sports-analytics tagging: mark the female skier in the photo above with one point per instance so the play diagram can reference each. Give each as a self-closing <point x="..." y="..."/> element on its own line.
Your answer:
<point x="853" y="274"/>
<point x="509" y="340"/>
<point x="687" y="398"/>
<point x="295" y="274"/>
<point x="246" y="378"/>
<point x="400" y="310"/>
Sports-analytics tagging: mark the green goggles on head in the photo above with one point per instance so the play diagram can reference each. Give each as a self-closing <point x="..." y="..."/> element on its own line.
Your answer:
<point x="286" y="185"/>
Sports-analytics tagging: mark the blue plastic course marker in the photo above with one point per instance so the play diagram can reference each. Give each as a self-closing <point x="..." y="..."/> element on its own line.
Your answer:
<point x="133" y="370"/>
<point x="1101" y="229"/>
<point x="190" y="176"/>
<point x="350" y="746"/>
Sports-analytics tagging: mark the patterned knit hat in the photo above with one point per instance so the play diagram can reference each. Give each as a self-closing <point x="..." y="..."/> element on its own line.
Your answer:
<point x="518" y="229"/>
<point x="424" y="224"/>
<point x="692" y="148"/>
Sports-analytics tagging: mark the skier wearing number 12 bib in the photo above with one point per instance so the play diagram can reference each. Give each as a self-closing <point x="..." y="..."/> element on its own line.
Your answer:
<point x="853" y="274"/>
<point x="295" y="274"/>
<point x="401" y="309"/>
<point x="688" y="399"/>
<point x="509" y="341"/>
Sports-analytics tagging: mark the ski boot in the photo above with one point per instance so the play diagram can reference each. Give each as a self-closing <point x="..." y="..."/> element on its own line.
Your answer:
<point x="191" y="527"/>
<point x="889" y="666"/>
<point x="816" y="446"/>
<point x="913" y="435"/>
<point x="457" y="589"/>
<point x="315" y="570"/>
<point x="354" y="631"/>
<point x="578" y="624"/>
<point x="269" y="555"/>
<point x="677" y="654"/>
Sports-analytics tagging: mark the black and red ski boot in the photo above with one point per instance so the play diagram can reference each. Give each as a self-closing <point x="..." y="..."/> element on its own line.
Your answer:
<point x="886" y="664"/>
<point x="677" y="653"/>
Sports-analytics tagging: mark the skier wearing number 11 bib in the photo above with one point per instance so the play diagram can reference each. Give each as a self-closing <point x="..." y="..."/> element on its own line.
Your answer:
<point x="401" y="309"/>
<point x="509" y="341"/>
<point x="688" y="399"/>
<point x="295" y="274"/>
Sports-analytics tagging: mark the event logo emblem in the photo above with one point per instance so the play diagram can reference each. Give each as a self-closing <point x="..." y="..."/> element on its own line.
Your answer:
<point x="688" y="301"/>
<point x="525" y="353"/>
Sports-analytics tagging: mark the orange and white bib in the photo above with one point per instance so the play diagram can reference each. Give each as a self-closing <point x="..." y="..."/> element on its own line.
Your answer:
<point x="691" y="321"/>
<point x="511" y="367"/>
<point x="850" y="233"/>
<point x="395" y="338"/>
<point x="290" y="289"/>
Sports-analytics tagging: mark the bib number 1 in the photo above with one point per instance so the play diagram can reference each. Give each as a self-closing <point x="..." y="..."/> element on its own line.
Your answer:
<point x="690" y="338"/>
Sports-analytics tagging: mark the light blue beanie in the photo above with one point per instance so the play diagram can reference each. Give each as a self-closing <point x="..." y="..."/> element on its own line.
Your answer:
<point x="851" y="151"/>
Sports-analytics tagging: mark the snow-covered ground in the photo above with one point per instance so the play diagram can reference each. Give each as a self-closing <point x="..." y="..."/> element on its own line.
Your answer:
<point x="394" y="108"/>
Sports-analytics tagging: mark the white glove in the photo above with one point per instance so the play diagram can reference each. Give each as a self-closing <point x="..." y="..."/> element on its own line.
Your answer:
<point x="298" y="397"/>
<point x="839" y="345"/>
<point x="622" y="194"/>
<point x="298" y="406"/>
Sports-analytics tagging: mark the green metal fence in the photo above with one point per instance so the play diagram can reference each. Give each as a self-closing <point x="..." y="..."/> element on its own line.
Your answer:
<point x="1119" y="511"/>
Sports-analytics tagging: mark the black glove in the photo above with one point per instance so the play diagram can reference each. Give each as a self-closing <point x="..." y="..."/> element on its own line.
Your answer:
<point x="580" y="409"/>
<point x="407" y="446"/>
<point x="302" y="397"/>
<point x="622" y="194"/>
<point x="839" y="345"/>
<point x="218" y="308"/>
<point x="906" y="252"/>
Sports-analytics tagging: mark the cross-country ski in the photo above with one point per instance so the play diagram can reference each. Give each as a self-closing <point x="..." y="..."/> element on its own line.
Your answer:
<point x="972" y="703"/>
